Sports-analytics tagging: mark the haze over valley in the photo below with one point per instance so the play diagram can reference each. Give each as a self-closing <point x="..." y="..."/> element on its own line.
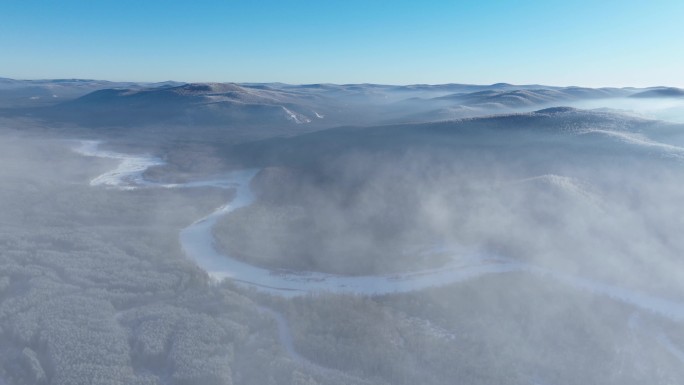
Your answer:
<point x="270" y="233"/>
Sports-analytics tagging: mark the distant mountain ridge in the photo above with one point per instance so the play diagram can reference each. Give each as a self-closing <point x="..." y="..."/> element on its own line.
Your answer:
<point x="531" y="97"/>
<point x="263" y="109"/>
<point x="191" y="104"/>
<point x="660" y="92"/>
<point x="30" y="93"/>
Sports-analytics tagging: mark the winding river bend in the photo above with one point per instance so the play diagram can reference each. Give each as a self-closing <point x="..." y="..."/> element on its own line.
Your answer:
<point x="198" y="244"/>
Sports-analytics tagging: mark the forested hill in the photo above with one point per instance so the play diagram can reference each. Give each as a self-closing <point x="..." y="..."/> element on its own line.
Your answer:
<point x="561" y="129"/>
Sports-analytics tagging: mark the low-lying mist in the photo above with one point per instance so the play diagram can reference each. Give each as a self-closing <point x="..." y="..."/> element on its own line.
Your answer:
<point x="668" y="109"/>
<point x="588" y="204"/>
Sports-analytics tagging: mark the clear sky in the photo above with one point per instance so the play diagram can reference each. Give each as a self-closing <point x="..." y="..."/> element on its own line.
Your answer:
<point x="570" y="42"/>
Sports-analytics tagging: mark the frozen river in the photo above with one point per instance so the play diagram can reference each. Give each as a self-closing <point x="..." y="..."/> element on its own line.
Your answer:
<point x="198" y="244"/>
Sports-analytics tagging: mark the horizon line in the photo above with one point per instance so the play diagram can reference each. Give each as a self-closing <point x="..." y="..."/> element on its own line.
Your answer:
<point x="327" y="83"/>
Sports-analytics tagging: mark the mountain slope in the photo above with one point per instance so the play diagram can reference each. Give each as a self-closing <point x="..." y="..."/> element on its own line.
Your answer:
<point x="562" y="129"/>
<point x="661" y="92"/>
<point x="190" y="105"/>
<point x="532" y="97"/>
<point x="33" y="93"/>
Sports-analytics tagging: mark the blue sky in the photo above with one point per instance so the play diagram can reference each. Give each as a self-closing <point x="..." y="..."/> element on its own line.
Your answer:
<point x="578" y="42"/>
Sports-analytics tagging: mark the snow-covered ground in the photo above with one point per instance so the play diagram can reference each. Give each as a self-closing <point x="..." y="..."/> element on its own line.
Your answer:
<point x="287" y="342"/>
<point x="295" y="117"/>
<point x="638" y="325"/>
<point x="284" y="334"/>
<point x="670" y="346"/>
